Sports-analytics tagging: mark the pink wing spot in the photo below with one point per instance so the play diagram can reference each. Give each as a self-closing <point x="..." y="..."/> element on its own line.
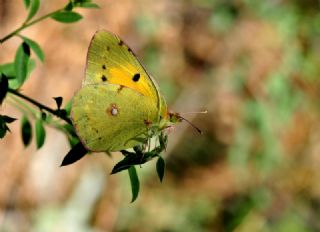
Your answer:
<point x="112" y="110"/>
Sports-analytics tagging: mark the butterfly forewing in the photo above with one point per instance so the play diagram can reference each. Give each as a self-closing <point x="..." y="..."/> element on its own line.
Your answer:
<point x="110" y="60"/>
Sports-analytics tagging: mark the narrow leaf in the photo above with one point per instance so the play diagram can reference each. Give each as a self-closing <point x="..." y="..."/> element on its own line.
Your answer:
<point x="21" y="63"/>
<point x="130" y="159"/>
<point x="58" y="101"/>
<point x="26" y="49"/>
<point x="75" y="154"/>
<point x="43" y="116"/>
<point x="3" y="127"/>
<point x="4" y="84"/>
<point x="69" y="6"/>
<point x="33" y="9"/>
<point x="26" y="131"/>
<point x="160" y="168"/>
<point x="8" y="119"/>
<point x="8" y="70"/>
<point x="34" y="47"/>
<point x="40" y="133"/>
<point x="4" y="119"/>
<point x="134" y="181"/>
<point x="15" y="83"/>
<point x="81" y="1"/>
<point x="70" y="129"/>
<point x="67" y="107"/>
<point x="26" y="3"/>
<point x="66" y="16"/>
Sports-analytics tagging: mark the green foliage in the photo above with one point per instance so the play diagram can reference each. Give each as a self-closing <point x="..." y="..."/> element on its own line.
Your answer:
<point x="160" y="168"/>
<point x="76" y="153"/>
<point x="21" y="63"/>
<point x="26" y="3"/>
<point x="134" y="181"/>
<point x="13" y="76"/>
<point x="34" y="47"/>
<point x="4" y="84"/>
<point x="26" y="130"/>
<point x="40" y="133"/>
<point x="66" y="16"/>
<point x="58" y="101"/>
<point x="4" y="120"/>
<point x="33" y="6"/>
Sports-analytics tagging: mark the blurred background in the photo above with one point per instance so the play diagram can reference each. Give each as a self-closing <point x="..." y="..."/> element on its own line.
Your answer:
<point x="254" y="65"/>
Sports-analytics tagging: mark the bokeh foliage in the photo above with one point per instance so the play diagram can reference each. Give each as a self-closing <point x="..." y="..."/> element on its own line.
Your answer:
<point x="254" y="66"/>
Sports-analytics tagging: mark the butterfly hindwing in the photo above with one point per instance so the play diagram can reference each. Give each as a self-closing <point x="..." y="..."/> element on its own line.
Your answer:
<point x="108" y="117"/>
<point x="118" y="101"/>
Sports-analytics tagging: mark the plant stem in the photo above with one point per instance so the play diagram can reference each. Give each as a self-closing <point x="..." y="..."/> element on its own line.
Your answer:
<point x="25" y="25"/>
<point x="41" y="106"/>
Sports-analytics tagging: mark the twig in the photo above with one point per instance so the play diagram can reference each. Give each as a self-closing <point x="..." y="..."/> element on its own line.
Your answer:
<point x="24" y="26"/>
<point x="41" y="106"/>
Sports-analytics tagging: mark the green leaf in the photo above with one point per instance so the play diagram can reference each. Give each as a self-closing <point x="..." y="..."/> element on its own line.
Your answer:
<point x="81" y="1"/>
<point x="67" y="107"/>
<point x="8" y="70"/>
<point x="88" y="5"/>
<point x="69" y="6"/>
<point x="134" y="181"/>
<point x="40" y="133"/>
<point x="21" y="63"/>
<point x="75" y="154"/>
<point x="130" y="159"/>
<point x="43" y="116"/>
<point x="33" y="9"/>
<point x="4" y="84"/>
<point x="4" y="119"/>
<point x="26" y="131"/>
<point x="26" y="3"/>
<point x="34" y="47"/>
<point x="66" y="16"/>
<point x="58" y="101"/>
<point x="3" y="127"/>
<point x="8" y="119"/>
<point x="70" y="129"/>
<point x="15" y="83"/>
<point x="160" y="168"/>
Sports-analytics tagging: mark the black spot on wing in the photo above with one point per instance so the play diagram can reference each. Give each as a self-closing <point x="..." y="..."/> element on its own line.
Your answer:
<point x="136" y="77"/>
<point x="104" y="78"/>
<point x="108" y="48"/>
<point x="130" y="50"/>
<point x="120" y="43"/>
<point x="104" y="66"/>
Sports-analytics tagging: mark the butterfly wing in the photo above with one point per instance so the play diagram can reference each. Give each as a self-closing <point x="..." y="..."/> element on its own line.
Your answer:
<point x="110" y="60"/>
<point x="109" y="117"/>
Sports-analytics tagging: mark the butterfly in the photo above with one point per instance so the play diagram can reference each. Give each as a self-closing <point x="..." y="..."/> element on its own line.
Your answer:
<point x="119" y="105"/>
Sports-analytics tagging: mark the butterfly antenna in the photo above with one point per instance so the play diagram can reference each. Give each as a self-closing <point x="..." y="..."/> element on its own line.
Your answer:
<point x="196" y="112"/>
<point x="196" y="128"/>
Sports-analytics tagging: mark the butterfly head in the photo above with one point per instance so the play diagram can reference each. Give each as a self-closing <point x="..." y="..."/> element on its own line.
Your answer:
<point x="174" y="118"/>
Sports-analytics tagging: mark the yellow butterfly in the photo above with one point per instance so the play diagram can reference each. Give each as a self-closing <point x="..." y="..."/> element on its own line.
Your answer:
<point x="119" y="102"/>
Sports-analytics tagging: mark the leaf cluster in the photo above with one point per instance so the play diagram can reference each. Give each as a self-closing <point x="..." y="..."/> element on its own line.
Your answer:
<point x="33" y="123"/>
